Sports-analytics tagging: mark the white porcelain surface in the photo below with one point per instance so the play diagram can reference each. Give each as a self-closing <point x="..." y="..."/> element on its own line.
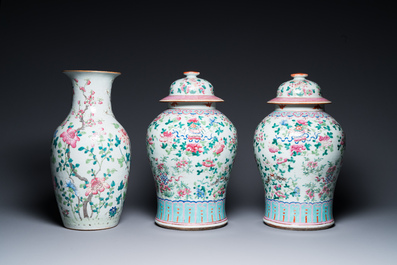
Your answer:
<point x="90" y="156"/>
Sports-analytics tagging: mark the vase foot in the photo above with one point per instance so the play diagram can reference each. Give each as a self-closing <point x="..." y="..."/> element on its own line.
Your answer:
<point x="90" y="229"/>
<point x="299" y="227"/>
<point x="87" y="226"/>
<point x="191" y="227"/>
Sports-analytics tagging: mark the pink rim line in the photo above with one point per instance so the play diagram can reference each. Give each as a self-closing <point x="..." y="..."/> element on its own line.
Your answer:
<point x="298" y="224"/>
<point x="284" y="100"/>
<point x="191" y="224"/>
<point x="191" y="98"/>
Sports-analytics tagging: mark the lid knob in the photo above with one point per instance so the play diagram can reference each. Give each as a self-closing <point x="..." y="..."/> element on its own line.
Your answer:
<point x="300" y="76"/>
<point x="191" y="74"/>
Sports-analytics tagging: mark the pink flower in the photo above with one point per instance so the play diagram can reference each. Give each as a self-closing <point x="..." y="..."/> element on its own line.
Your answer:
<point x="150" y="140"/>
<point x="164" y="187"/>
<point x="96" y="185"/>
<point x="303" y="122"/>
<point x="193" y="147"/>
<point x="166" y="137"/>
<point x="76" y="80"/>
<point x="281" y="160"/>
<point x="310" y="193"/>
<point x="297" y="148"/>
<point x="181" y="163"/>
<point x="279" y="194"/>
<point x="273" y="149"/>
<point x="277" y="187"/>
<point x="187" y="191"/>
<point x="312" y="164"/>
<point x="124" y="136"/>
<point x="218" y="148"/>
<point x="82" y="88"/>
<point x="178" y="118"/>
<point x="90" y="122"/>
<point x="324" y="138"/>
<point x="331" y="169"/>
<point x="70" y="137"/>
<point x="181" y="193"/>
<point x="88" y="82"/>
<point x="208" y="163"/>
<point x="194" y="120"/>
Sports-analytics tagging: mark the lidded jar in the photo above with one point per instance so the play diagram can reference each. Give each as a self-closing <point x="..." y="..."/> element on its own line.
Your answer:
<point x="299" y="149"/>
<point x="191" y="148"/>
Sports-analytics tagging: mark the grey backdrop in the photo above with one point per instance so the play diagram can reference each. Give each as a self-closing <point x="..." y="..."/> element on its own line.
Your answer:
<point x="246" y="50"/>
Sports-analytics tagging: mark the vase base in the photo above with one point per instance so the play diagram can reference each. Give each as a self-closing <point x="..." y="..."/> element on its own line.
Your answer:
<point x="191" y="227"/>
<point x="89" y="227"/>
<point x="301" y="227"/>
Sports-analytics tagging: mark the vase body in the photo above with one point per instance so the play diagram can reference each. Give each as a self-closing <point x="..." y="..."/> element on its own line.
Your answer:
<point x="191" y="149"/>
<point x="90" y="156"/>
<point x="299" y="150"/>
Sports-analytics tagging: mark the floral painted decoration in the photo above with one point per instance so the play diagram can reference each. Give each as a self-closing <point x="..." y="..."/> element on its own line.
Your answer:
<point x="191" y="148"/>
<point x="191" y="89"/>
<point x="299" y="150"/>
<point x="299" y="91"/>
<point x="90" y="156"/>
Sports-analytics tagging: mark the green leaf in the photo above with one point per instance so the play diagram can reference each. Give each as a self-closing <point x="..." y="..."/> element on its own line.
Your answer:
<point x="116" y="125"/>
<point x="120" y="161"/>
<point x="118" y="199"/>
<point x="121" y="186"/>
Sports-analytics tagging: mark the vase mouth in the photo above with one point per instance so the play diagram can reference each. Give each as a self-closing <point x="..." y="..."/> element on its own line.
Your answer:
<point x="91" y="71"/>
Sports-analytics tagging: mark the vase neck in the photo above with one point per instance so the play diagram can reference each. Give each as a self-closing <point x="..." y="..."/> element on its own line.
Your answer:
<point x="305" y="107"/>
<point x="91" y="93"/>
<point x="192" y="105"/>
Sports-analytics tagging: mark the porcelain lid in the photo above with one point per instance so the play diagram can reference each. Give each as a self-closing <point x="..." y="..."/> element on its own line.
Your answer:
<point x="191" y="89"/>
<point x="299" y="91"/>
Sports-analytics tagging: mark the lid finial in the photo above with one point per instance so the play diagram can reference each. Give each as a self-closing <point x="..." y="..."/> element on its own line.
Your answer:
<point x="191" y="74"/>
<point x="299" y="76"/>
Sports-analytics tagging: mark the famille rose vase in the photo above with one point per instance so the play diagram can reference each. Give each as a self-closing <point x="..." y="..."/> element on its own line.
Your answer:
<point x="90" y="156"/>
<point x="191" y="148"/>
<point x="299" y="149"/>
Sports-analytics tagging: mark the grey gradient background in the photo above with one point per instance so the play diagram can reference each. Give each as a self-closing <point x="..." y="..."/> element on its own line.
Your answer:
<point x="246" y="50"/>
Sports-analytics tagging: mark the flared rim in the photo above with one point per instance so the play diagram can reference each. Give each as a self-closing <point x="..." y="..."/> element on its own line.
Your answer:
<point x="191" y="98"/>
<point x="299" y="101"/>
<point x="91" y="71"/>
